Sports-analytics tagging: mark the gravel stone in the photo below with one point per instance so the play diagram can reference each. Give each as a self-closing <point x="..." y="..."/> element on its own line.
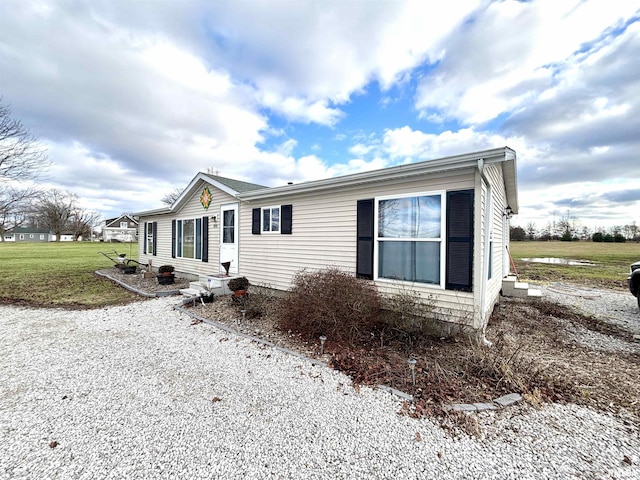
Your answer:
<point x="618" y="308"/>
<point x="137" y="391"/>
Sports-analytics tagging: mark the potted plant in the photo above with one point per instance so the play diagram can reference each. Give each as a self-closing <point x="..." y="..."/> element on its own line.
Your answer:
<point x="165" y="275"/>
<point x="238" y="286"/>
<point x="207" y="295"/>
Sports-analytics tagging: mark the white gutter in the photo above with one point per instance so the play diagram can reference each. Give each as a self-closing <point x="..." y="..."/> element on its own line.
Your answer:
<point x="487" y="236"/>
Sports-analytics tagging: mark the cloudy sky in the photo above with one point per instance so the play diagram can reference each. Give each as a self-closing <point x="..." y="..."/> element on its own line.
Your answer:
<point x="133" y="98"/>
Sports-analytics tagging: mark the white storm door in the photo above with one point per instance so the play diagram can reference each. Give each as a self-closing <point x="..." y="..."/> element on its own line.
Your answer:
<point x="229" y="236"/>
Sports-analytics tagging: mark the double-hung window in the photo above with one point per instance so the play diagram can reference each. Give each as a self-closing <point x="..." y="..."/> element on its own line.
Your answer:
<point x="271" y="219"/>
<point x="189" y="238"/>
<point x="150" y="237"/>
<point x="409" y="238"/>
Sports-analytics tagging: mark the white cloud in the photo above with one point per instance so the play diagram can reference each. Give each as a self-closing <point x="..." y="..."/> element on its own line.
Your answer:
<point x="503" y="59"/>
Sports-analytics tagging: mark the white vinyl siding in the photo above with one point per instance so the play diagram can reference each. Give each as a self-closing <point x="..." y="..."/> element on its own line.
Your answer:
<point x="324" y="234"/>
<point x="192" y="209"/>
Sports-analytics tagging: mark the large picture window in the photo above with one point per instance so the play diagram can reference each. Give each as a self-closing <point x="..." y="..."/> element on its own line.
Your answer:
<point x="409" y="238"/>
<point x="189" y="238"/>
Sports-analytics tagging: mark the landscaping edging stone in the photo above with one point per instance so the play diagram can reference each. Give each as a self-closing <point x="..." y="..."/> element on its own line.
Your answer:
<point x="164" y="293"/>
<point x="500" y="402"/>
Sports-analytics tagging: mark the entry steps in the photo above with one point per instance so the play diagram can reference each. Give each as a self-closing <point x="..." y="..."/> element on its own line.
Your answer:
<point x="511" y="287"/>
<point x="218" y="285"/>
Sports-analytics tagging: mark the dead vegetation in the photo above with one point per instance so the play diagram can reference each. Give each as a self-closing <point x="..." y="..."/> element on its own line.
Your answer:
<point x="532" y="353"/>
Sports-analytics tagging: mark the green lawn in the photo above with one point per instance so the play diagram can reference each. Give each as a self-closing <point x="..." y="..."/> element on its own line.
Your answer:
<point x="60" y="274"/>
<point x="611" y="261"/>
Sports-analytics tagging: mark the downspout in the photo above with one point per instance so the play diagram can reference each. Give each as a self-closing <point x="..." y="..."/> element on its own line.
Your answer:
<point x="485" y="263"/>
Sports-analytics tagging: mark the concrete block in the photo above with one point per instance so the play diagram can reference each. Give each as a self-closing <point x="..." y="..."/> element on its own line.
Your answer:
<point x="509" y="399"/>
<point x="463" y="407"/>
<point x="484" y="406"/>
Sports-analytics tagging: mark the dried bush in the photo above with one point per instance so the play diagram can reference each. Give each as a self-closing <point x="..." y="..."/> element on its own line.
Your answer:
<point x="259" y="302"/>
<point x="508" y="367"/>
<point x="330" y="302"/>
<point x="407" y="312"/>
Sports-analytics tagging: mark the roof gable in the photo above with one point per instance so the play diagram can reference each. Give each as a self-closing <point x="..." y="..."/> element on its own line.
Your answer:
<point x="237" y="185"/>
<point x="227" y="185"/>
<point x="115" y="222"/>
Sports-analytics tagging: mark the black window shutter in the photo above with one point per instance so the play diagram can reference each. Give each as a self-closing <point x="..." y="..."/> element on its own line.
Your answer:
<point x="205" y="239"/>
<point x="286" y="214"/>
<point x="155" y="237"/>
<point x="255" y="221"/>
<point x="459" y="268"/>
<point x="144" y="237"/>
<point x="173" y="239"/>
<point x="364" y="249"/>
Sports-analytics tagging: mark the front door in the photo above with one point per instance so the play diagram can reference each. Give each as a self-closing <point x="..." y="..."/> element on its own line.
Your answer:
<point x="229" y="236"/>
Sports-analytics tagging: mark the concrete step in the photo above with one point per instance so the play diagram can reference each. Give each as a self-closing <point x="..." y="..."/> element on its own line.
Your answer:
<point x="512" y="288"/>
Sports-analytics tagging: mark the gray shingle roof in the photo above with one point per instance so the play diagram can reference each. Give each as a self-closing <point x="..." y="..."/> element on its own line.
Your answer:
<point x="237" y="185"/>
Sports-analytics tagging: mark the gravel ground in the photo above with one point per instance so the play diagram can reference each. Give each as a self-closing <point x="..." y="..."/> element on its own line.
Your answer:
<point x="614" y="307"/>
<point x="619" y="308"/>
<point x="137" y="391"/>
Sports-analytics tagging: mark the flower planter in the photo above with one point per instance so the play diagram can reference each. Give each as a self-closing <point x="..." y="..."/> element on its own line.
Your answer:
<point x="207" y="298"/>
<point x="239" y="293"/>
<point x="166" y="279"/>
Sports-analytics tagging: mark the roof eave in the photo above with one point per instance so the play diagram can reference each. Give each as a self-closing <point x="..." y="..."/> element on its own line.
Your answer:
<point x="445" y="164"/>
<point x="149" y="213"/>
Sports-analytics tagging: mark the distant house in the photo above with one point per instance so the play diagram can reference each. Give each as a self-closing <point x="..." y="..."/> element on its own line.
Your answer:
<point x="121" y="229"/>
<point x="439" y="227"/>
<point x="65" y="237"/>
<point x="28" y="234"/>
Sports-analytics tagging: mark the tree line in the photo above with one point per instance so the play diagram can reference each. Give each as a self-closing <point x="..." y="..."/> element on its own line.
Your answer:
<point x="23" y="161"/>
<point x="567" y="232"/>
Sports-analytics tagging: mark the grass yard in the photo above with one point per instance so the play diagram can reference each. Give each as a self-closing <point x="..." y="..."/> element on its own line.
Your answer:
<point x="60" y="274"/>
<point x="612" y="261"/>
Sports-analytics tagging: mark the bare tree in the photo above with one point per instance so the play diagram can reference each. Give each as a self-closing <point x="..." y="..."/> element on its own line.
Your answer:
<point x="22" y="159"/>
<point x="21" y="156"/>
<point x="55" y="211"/>
<point x="172" y="196"/>
<point x="81" y="222"/>
<point x="14" y="208"/>
<point x="531" y="230"/>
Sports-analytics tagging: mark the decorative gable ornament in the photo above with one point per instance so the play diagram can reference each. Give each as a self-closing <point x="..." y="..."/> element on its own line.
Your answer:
<point x="205" y="198"/>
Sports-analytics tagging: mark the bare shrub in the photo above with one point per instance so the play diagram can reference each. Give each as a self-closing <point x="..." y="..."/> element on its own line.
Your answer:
<point x="408" y="312"/>
<point x="509" y="367"/>
<point x="329" y="302"/>
<point x="260" y="301"/>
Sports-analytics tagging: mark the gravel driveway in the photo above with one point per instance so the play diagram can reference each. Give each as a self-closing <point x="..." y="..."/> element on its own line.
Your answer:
<point x="136" y="391"/>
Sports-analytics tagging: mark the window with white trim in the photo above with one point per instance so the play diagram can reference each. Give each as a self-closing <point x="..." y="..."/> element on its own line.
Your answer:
<point x="271" y="219"/>
<point x="409" y="238"/>
<point x="150" y="236"/>
<point x="189" y="238"/>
